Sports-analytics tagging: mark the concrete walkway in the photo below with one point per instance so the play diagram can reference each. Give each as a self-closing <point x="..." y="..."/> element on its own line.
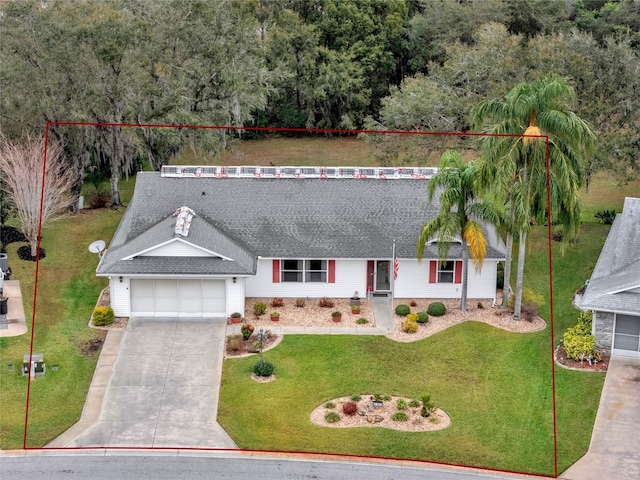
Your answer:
<point x="614" y="452"/>
<point x="17" y="324"/>
<point x="160" y="383"/>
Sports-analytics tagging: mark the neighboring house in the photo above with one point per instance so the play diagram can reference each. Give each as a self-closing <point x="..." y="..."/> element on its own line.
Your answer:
<point x="278" y="232"/>
<point x="613" y="292"/>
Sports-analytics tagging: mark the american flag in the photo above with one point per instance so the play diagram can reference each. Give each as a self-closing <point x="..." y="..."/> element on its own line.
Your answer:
<point x="396" y="267"/>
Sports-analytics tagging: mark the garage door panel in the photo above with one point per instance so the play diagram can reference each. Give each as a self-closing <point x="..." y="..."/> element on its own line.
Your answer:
<point x="178" y="297"/>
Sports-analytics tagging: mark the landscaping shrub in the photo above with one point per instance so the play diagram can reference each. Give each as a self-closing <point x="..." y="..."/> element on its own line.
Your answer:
<point x="578" y="342"/>
<point x="362" y="321"/>
<point x="427" y="406"/>
<point x="412" y="303"/>
<point x="277" y="302"/>
<point x="300" y="302"/>
<point x="436" y="309"/>
<point x="401" y="404"/>
<point x="410" y="326"/>
<point x="329" y="405"/>
<point x="324" y="302"/>
<point x="103" y="316"/>
<point x="331" y="417"/>
<point x="234" y="343"/>
<point x="350" y="408"/>
<point x="259" y="308"/>
<point x="403" y="310"/>
<point x="356" y="397"/>
<point x="414" y="403"/>
<point x="400" y="417"/>
<point x="263" y="369"/>
<point x="606" y="216"/>
<point x="413" y="317"/>
<point x="423" y="317"/>
<point x="529" y="312"/>
<point x="246" y="330"/>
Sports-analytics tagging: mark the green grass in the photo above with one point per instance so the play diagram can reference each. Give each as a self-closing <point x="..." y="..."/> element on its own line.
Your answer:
<point x="67" y="292"/>
<point x="499" y="400"/>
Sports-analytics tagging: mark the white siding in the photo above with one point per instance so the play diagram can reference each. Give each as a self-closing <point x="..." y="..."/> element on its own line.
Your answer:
<point x="413" y="282"/>
<point x="235" y="295"/>
<point x="120" y="298"/>
<point x="350" y="276"/>
<point x="177" y="248"/>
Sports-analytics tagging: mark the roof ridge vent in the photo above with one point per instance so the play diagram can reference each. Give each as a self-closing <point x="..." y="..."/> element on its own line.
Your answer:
<point x="183" y="221"/>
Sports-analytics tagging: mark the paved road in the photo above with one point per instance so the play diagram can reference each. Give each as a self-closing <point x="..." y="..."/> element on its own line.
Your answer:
<point x="115" y="466"/>
<point x="163" y="390"/>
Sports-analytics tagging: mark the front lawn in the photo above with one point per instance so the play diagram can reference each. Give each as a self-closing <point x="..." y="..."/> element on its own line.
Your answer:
<point x="67" y="292"/>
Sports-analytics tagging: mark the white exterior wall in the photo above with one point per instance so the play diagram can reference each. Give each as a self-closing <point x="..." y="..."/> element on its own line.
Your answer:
<point x="177" y="248"/>
<point x="350" y="276"/>
<point x="235" y="295"/>
<point x="120" y="297"/>
<point x="413" y="281"/>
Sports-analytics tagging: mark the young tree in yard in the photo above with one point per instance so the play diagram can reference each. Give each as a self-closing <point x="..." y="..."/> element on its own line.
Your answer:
<point x="21" y="165"/>
<point x="515" y="166"/>
<point x="461" y="211"/>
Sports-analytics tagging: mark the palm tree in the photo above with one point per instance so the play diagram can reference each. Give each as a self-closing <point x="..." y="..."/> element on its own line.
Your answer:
<point x="460" y="214"/>
<point x="515" y="164"/>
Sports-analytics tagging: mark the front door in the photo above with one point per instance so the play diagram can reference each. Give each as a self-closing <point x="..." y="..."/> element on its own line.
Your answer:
<point x="383" y="282"/>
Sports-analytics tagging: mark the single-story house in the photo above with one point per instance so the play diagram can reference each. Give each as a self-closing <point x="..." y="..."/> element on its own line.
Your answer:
<point x="613" y="292"/>
<point x="196" y="241"/>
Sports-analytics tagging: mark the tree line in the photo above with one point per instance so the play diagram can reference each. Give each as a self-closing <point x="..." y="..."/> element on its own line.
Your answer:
<point x="386" y="64"/>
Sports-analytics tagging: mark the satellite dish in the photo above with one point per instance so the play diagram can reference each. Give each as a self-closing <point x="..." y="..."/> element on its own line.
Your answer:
<point x="97" y="246"/>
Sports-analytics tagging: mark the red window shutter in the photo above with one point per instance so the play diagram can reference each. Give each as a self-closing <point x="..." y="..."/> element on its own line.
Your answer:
<point x="457" y="278"/>
<point x="276" y="271"/>
<point x="433" y="271"/>
<point x="331" y="274"/>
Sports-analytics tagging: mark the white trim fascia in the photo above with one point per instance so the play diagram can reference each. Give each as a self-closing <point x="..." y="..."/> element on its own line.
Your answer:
<point x="623" y="312"/>
<point x="176" y="239"/>
<point x="175" y="275"/>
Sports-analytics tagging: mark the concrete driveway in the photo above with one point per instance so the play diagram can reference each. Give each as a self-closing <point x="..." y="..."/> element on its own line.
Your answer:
<point x="614" y="452"/>
<point x="163" y="390"/>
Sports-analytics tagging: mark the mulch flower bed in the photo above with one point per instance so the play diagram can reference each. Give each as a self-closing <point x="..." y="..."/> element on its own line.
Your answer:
<point x="562" y="359"/>
<point x="236" y="346"/>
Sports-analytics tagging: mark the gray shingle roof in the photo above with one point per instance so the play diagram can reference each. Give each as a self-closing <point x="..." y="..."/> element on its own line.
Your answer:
<point x="243" y="218"/>
<point x="618" y="268"/>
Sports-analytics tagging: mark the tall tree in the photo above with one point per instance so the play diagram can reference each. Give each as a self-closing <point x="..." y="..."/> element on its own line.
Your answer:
<point x="461" y="211"/>
<point x="515" y="166"/>
<point x="21" y="164"/>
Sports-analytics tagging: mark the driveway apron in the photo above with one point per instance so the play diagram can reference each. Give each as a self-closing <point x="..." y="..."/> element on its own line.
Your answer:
<point x="164" y="388"/>
<point x="614" y="452"/>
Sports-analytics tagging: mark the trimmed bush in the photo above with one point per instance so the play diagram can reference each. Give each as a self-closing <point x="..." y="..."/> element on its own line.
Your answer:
<point x="401" y="404"/>
<point x="423" y="317"/>
<point x="414" y="403"/>
<point x="362" y="321"/>
<point x="331" y="417"/>
<point x="259" y="308"/>
<point x="410" y="326"/>
<point x="400" y="417"/>
<point x="436" y="309"/>
<point x="263" y="369"/>
<point x="329" y="405"/>
<point x="350" y="408"/>
<point x="578" y="340"/>
<point x="356" y="397"/>
<point x="103" y="316"/>
<point x="403" y="310"/>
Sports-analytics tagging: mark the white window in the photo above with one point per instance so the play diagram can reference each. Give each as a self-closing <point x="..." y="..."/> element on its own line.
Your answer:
<point x="445" y="272"/>
<point x="307" y="271"/>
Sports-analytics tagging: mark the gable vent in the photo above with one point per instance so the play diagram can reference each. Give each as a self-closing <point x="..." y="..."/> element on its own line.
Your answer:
<point x="183" y="221"/>
<point x="380" y="173"/>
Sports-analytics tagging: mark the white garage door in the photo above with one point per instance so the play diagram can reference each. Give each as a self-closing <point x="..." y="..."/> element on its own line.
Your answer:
<point x="626" y="338"/>
<point x="178" y="298"/>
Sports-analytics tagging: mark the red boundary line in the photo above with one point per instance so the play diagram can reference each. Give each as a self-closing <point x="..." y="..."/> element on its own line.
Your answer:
<point x="302" y="130"/>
